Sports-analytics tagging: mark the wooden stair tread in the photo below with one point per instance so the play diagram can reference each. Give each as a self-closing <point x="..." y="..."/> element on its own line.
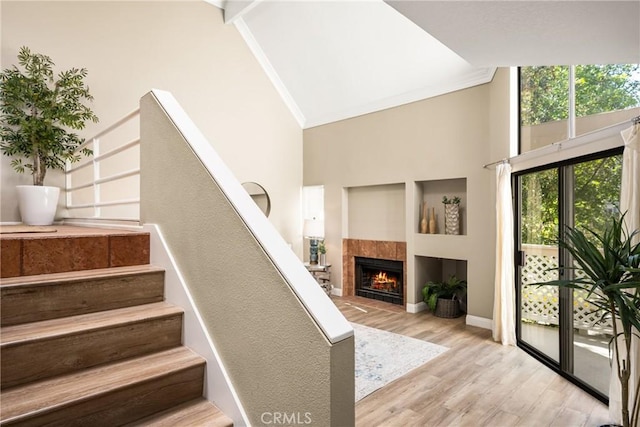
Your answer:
<point x="198" y="412"/>
<point x="66" y="390"/>
<point x="66" y="231"/>
<point x="52" y="279"/>
<point x="47" y="329"/>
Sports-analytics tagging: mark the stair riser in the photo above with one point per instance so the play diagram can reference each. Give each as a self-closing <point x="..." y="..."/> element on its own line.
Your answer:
<point x="38" y="359"/>
<point x="124" y="405"/>
<point x="25" y="255"/>
<point x="42" y="302"/>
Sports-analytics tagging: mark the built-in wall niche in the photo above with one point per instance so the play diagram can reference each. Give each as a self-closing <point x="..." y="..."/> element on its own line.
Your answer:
<point x="376" y="212"/>
<point x="429" y="269"/>
<point x="432" y="192"/>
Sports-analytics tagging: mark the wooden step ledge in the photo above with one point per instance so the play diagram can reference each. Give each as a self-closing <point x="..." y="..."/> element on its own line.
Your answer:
<point x="38" y="350"/>
<point x="78" y="276"/>
<point x="106" y="395"/>
<point x="198" y="412"/>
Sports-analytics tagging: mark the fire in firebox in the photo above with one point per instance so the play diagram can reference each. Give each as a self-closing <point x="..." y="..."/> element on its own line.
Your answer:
<point x="383" y="282"/>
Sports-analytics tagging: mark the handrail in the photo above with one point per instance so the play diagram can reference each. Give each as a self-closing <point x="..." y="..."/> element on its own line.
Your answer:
<point x="114" y="177"/>
<point x="111" y="127"/>
<point x="125" y="209"/>
<point x="117" y="150"/>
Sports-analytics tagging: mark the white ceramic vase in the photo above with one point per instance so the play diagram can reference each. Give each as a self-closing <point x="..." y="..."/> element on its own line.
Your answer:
<point x="37" y="204"/>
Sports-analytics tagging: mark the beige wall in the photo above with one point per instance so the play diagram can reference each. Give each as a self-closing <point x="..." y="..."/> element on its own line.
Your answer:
<point x="376" y="212"/>
<point x="447" y="137"/>
<point x="182" y="47"/>
<point x="276" y="355"/>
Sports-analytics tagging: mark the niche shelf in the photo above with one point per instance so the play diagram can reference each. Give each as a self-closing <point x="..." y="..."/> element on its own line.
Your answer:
<point x="437" y="269"/>
<point x="432" y="192"/>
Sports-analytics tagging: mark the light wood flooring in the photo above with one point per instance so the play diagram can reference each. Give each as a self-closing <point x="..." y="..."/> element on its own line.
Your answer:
<point x="477" y="382"/>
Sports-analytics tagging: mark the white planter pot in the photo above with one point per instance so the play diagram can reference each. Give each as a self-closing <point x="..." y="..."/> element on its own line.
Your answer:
<point x="37" y="204"/>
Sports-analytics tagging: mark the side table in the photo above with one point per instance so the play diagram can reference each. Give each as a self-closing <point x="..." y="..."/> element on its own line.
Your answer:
<point x="322" y="274"/>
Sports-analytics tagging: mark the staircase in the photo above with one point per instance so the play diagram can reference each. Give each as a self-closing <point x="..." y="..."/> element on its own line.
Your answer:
<point x="86" y="338"/>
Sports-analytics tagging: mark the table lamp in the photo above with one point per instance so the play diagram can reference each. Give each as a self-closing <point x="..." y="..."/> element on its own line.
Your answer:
<point x="314" y="231"/>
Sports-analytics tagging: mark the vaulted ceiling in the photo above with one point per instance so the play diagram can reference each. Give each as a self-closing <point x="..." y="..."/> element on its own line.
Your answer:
<point x="332" y="60"/>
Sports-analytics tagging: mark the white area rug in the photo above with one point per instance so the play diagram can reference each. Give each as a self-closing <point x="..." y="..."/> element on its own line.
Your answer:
<point x="382" y="357"/>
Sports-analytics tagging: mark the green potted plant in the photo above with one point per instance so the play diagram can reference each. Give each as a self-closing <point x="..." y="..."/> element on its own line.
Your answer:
<point x="38" y="109"/>
<point x="322" y="251"/>
<point x="606" y="266"/>
<point x="443" y="298"/>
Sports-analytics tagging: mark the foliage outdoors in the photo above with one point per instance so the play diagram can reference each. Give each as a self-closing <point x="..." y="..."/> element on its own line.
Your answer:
<point x="322" y="249"/>
<point x="545" y="98"/>
<point x="452" y="288"/>
<point x="596" y="194"/>
<point x="607" y="267"/>
<point x="598" y="89"/>
<point x="453" y="201"/>
<point x="37" y="109"/>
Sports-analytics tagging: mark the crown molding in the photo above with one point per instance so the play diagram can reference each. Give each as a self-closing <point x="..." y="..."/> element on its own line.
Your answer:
<point x="475" y="78"/>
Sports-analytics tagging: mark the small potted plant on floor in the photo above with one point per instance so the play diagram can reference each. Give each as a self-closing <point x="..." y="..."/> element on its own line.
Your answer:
<point x="607" y="267"/>
<point x="37" y="110"/>
<point x="443" y="298"/>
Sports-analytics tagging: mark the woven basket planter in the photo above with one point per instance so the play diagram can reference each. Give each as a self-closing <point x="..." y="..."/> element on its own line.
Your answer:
<point x="448" y="308"/>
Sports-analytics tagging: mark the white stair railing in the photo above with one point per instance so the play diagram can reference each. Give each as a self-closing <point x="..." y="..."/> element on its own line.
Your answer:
<point x="106" y="185"/>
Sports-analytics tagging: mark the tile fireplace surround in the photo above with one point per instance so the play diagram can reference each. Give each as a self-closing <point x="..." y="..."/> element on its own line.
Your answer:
<point x="351" y="248"/>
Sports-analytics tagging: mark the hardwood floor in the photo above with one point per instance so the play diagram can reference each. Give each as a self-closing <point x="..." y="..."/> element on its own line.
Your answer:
<point x="477" y="382"/>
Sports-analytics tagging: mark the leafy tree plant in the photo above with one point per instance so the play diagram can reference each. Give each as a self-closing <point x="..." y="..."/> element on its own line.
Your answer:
<point x="607" y="268"/>
<point x="37" y="110"/>
<point x="599" y="88"/>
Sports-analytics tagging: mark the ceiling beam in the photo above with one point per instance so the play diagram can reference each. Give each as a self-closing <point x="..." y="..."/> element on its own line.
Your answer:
<point x="235" y="9"/>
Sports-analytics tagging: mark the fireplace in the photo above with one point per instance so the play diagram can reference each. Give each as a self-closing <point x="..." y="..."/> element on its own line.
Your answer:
<point x="379" y="279"/>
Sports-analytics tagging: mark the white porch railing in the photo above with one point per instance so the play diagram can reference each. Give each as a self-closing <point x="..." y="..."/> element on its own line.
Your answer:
<point x="106" y="186"/>
<point x="540" y="303"/>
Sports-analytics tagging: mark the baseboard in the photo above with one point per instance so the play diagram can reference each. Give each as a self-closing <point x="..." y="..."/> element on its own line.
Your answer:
<point x="480" y="322"/>
<point x="10" y="223"/>
<point x="416" y="308"/>
<point x="336" y="291"/>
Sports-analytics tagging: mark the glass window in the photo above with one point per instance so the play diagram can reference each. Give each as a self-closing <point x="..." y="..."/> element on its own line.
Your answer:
<point x="602" y="95"/>
<point x="313" y="202"/>
<point x="544" y="106"/>
<point x="605" y="95"/>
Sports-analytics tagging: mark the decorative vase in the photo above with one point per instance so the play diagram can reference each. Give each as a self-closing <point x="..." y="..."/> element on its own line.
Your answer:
<point x="432" y="221"/>
<point x="451" y="218"/>
<point x="322" y="259"/>
<point x="37" y="204"/>
<point x="423" y="221"/>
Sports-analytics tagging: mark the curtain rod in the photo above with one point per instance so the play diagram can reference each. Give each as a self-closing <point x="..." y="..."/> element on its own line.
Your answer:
<point x="635" y="121"/>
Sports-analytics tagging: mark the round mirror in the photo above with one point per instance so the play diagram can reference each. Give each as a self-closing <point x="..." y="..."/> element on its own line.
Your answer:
<point x="259" y="196"/>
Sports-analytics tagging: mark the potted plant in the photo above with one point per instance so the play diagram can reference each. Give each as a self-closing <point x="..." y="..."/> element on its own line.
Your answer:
<point x="443" y="298"/>
<point x="322" y="250"/>
<point x="37" y="110"/>
<point x="451" y="215"/>
<point x="606" y="266"/>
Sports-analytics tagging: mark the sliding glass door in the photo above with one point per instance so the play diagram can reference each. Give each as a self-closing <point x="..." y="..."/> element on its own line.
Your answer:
<point x="539" y="306"/>
<point x="558" y="326"/>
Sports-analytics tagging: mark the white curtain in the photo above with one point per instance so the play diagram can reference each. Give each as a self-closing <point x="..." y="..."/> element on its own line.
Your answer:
<point x="629" y="203"/>
<point x="504" y="329"/>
